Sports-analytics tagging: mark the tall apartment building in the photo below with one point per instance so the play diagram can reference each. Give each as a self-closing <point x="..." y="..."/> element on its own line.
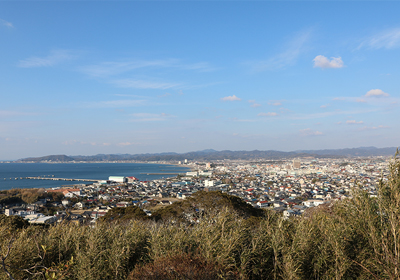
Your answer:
<point x="296" y="164"/>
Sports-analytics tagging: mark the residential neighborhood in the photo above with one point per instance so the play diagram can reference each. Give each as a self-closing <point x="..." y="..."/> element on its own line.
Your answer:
<point x="286" y="186"/>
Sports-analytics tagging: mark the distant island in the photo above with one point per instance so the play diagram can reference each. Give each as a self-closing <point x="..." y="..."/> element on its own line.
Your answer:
<point x="210" y="154"/>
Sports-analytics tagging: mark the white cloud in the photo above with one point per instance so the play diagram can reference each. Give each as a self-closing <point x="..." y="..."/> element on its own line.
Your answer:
<point x="388" y="39"/>
<point x="55" y="57"/>
<point x="376" y="93"/>
<point x="6" y="23"/>
<point x="323" y="62"/>
<point x="269" y="114"/>
<point x="141" y="84"/>
<point x="360" y="100"/>
<point x="354" y="122"/>
<point x="323" y="106"/>
<point x="231" y="98"/>
<point x="309" y="132"/>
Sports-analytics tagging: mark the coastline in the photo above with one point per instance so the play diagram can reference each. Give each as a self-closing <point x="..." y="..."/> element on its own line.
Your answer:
<point x="11" y="174"/>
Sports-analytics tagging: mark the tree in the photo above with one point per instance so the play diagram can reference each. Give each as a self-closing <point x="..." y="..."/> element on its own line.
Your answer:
<point x="123" y="214"/>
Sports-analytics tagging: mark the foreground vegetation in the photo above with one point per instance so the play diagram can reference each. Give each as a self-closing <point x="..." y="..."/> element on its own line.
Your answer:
<point x="354" y="239"/>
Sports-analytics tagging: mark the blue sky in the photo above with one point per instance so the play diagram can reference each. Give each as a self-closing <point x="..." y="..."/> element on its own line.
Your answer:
<point x="143" y="77"/>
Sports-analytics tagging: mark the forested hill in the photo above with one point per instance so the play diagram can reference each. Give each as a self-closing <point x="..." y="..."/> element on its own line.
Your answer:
<point x="51" y="158"/>
<point x="207" y="155"/>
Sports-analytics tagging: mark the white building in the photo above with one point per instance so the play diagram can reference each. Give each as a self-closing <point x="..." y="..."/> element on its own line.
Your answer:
<point x="118" y="179"/>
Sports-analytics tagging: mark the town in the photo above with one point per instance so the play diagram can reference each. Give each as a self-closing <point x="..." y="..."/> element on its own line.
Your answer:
<point x="288" y="186"/>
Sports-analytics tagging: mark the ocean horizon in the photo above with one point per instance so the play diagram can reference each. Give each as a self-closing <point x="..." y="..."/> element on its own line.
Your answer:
<point x="11" y="173"/>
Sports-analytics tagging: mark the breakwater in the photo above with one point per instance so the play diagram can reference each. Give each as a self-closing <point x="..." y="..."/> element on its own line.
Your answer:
<point x="52" y="179"/>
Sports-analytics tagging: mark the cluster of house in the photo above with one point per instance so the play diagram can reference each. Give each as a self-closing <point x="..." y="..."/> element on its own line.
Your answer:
<point x="289" y="187"/>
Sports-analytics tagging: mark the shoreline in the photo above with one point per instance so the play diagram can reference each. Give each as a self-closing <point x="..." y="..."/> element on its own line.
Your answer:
<point x="15" y="176"/>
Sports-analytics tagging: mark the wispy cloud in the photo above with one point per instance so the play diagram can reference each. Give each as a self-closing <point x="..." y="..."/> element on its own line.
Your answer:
<point x="112" y="68"/>
<point x="131" y="73"/>
<point x="269" y="114"/>
<point x="330" y="113"/>
<point x="374" y="127"/>
<point x="387" y="39"/>
<point x="116" y="103"/>
<point x="354" y="122"/>
<point x="231" y="98"/>
<point x="147" y="117"/>
<point x="164" y="95"/>
<point x="309" y="132"/>
<point x="254" y="104"/>
<point x="200" y="66"/>
<point x="243" y="120"/>
<point x="6" y="23"/>
<point x="321" y="61"/>
<point x="286" y="58"/>
<point x="77" y="142"/>
<point x="275" y="103"/>
<point x="8" y="114"/>
<point x="55" y="57"/>
<point x="124" y="144"/>
<point x="376" y="93"/>
<point x="142" y="84"/>
<point x="373" y="97"/>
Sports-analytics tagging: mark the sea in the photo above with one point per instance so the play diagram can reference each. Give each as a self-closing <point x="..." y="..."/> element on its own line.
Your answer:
<point x="11" y="173"/>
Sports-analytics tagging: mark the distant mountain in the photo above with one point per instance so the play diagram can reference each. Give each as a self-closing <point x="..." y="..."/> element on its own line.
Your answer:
<point x="52" y="158"/>
<point x="209" y="154"/>
<point x="354" y="152"/>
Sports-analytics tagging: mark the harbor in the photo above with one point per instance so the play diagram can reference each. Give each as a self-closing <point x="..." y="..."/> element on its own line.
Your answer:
<point x="41" y="175"/>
